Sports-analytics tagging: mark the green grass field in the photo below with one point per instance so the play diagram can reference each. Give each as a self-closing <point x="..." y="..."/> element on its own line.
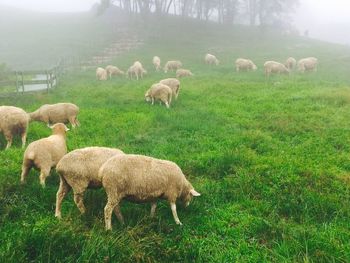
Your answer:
<point x="270" y="157"/>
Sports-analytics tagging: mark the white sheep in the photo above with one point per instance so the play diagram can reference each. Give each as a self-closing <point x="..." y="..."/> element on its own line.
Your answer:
<point x="307" y="64"/>
<point x="13" y="121"/>
<point x="101" y="74"/>
<point x="45" y="153"/>
<point x="136" y="70"/>
<point x="243" y="64"/>
<point x="114" y="71"/>
<point x="275" y="68"/>
<point x="160" y="92"/>
<point x="211" y="60"/>
<point x="172" y="65"/>
<point x="78" y="170"/>
<point x="156" y="63"/>
<point x="174" y="84"/>
<point x="55" y="113"/>
<point x="143" y="179"/>
<point x="180" y="73"/>
<point x="290" y="63"/>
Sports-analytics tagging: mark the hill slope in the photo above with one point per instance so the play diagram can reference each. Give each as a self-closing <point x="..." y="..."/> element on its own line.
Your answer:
<point x="270" y="157"/>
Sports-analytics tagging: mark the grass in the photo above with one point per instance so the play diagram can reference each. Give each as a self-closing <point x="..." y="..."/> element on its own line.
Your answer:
<point x="270" y="157"/>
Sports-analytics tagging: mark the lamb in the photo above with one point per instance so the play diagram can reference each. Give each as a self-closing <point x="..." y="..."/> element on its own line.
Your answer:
<point x="101" y="74"/>
<point x="156" y="63"/>
<point x="55" y="113"/>
<point x="114" y="71"/>
<point x="160" y="92"/>
<point x="174" y="84"/>
<point x="307" y="64"/>
<point x="290" y="63"/>
<point x="136" y="70"/>
<point x="245" y="65"/>
<point x="45" y="153"/>
<point x="78" y="170"/>
<point x="275" y="67"/>
<point x="172" y="65"/>
<point x="141" y="178"/>
<point x="180" y="73"/>
<point x="211" y="60"/>
<point x="13" y="121"/>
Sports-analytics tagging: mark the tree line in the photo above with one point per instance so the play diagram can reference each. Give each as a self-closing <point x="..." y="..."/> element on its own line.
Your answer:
<point x="252" y="12"/>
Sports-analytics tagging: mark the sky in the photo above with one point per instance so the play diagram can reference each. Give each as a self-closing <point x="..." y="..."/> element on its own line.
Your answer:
<point x="51" y="5"/>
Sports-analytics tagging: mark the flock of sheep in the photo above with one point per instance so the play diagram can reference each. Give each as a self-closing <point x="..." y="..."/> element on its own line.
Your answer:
<point x="123" y="176"/>
<point x="166" y="89"/>
<point x="136" y="178"/>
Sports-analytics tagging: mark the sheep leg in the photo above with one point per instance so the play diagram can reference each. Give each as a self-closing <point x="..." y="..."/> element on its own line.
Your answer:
<point x="44" y="173"/>
<point x="108" y="212"/>
<point x="153" y="209"/>
<point x="9" y="140"/>
<point x="167" y="104"/>
<point x="25" y="170"/>
<point x="76" y="121"/>
<point x="24" y="139"/>
<point x="152" y="101"/>
<point x="173" y="209"/>
<point x="78" y="199"/>
<point x="61" y="193"/>
<point x="118" y="214"/>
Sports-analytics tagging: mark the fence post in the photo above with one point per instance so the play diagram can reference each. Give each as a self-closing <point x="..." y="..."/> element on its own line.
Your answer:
<point x="17" y="84"/>
<point x="22" y="80"/>
<point x="47" y="81"/>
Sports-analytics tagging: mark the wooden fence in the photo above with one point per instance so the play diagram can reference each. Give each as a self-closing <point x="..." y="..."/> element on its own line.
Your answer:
<point x="31" y="81"/>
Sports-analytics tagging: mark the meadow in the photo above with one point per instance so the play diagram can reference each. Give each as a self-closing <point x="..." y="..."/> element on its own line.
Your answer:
<point x="269" y="156"/>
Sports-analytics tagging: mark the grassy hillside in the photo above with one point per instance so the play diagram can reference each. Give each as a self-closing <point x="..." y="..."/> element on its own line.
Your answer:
<point x="270" y="157"/>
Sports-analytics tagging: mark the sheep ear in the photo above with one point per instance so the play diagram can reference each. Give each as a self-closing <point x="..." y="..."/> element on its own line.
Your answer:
<point x="51" y="127"/>
<point x="67" y="129"/>
<point x="194" y="193"/>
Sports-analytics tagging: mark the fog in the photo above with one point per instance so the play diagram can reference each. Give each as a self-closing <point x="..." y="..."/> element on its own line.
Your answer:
<point x="324" y="19"/>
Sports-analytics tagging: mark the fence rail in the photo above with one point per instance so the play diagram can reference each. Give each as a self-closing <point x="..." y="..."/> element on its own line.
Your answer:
<point x="31" y="81"/>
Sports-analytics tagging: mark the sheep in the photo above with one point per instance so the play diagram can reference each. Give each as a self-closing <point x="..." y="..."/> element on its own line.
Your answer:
<point x="180" y="73"/>
<point x="156" y="63"/>
<point x="211" y="60"/>
<point x="290" y="63"/>
<point x="307" y="64"/>
<point x="160" y="92"/>
<point x="13" y="121"/>
<point x="101" y="74"/>
<point x="45" y="153"/>
<point x="78" y="170"/>
<point x="113" y="70"/>
<point x="174" y="84"/>
<point x="139" y="178"/>
<point x="275" y="67"/>
<point x="137" y="70"/>
<point x="245" y="65"/>
<point x="55" y="113"/>
<point x="172" y="65"/>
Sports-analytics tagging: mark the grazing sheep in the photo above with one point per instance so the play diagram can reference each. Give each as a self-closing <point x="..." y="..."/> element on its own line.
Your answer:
<point x="55" y="113"/>
<point x="160" y="92"/>
<point x="78" y="170"/>
<point x="307" y="64"/>
<point x="101" y="74"/>
<point x="156" y="63"/>
<point x="172" y="65"/>
<point x="180" y="73"/>
<point x="245" y="65"/>
<point x="114" y="71"/>
<point x="142" y="179"/>
<point x="13" y="121"/>
<point x="45" y="153"/>
<point x="275" y="67"/>
<point x="290" y="63"/>
<point x="211" y="60"/>
<point x="174" y="84"/>
<point x="136" y="70"/>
